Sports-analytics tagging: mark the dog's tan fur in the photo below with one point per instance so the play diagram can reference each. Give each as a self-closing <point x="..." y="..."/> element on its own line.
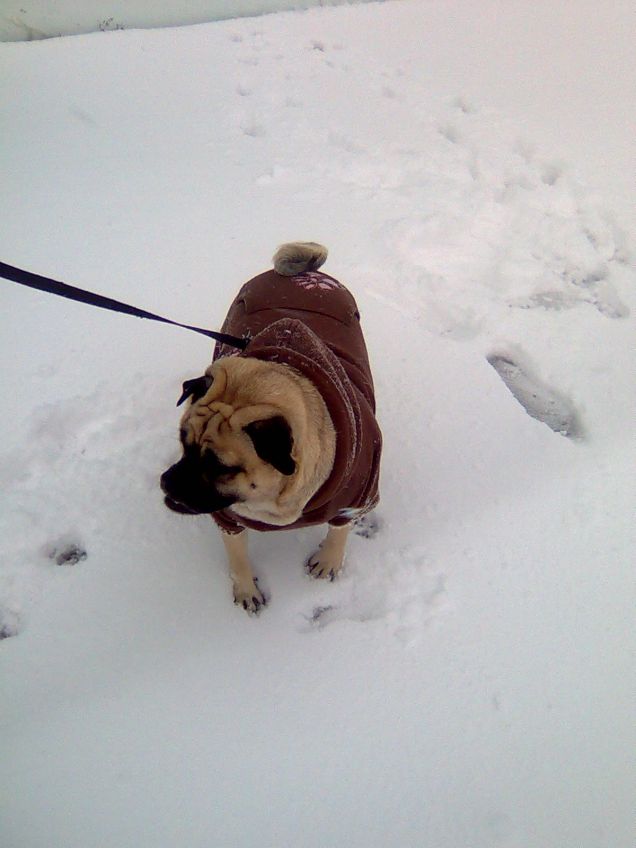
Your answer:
<point x="324" y="564"/>
<point x="246" y="592"/>
<point x="247" y="390"/>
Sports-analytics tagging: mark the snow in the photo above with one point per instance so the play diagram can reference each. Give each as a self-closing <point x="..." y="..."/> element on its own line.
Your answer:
<point x="70" y="17"/>
<point x="468" y="681"/>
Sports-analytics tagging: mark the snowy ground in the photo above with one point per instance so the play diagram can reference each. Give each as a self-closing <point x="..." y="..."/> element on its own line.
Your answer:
<point x="467" y="682"/>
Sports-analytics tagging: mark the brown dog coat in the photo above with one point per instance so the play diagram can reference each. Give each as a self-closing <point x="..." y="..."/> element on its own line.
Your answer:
<point x="311" y="323"/>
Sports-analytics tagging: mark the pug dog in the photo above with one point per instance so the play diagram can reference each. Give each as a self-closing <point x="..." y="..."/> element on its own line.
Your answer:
<point x="282" y="434"/>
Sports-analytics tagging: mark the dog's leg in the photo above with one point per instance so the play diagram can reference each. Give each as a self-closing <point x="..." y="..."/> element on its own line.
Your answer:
<point x="328" y="559"/>
<point x="246" y="592"/>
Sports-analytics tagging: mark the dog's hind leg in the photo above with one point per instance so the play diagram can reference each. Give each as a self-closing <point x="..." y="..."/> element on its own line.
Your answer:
<point x="327" y="561"/>
<point x="246" y="592"/>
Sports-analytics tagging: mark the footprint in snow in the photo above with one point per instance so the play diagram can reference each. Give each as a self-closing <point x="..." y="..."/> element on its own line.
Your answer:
<point x="550" y="172"/>
<point x="66" y="552"/>
<point x="253" y="130"/>
<point x="402" y="590"/>
<point x="450" y="133"/>
<point x="9" y="623"/>
<point x="464" y="106"/>
<point x="367" y="526"/>
<point x="584" y="286"/>
<point x="539" y="400"/>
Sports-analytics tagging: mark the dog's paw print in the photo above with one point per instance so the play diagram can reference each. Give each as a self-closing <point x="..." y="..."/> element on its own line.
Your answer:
<point x="66" y="552"/>
<point x="318" y="618"/>
<point x="253" y="129"/>
<point x="408" y="593"/>
<point x="9" y="623"/>
<point x="367" y="526"/>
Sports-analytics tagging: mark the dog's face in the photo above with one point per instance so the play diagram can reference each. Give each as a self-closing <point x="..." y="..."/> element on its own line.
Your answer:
<point x="237" y="447"/>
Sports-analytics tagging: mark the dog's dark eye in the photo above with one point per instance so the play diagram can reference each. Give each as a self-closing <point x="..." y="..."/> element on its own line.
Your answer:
<point x="214" y="468"/>
<point x="231" y="472"/>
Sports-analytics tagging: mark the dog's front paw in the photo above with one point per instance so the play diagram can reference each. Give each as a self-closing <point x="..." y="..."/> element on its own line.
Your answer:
<point x="322" y="566"/>
<point x="250" y="598"/>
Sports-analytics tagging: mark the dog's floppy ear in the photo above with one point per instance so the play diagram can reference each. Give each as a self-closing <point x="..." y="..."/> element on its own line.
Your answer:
<point x="272" y="440"/>
<point x="195" y="388"/>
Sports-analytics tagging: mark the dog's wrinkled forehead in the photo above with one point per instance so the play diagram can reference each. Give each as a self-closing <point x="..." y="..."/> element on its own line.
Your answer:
<point x="204" y="424"/>
<point x="219" y="408"/>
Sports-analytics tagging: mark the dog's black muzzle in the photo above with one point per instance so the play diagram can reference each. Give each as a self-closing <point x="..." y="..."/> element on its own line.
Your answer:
<point x="187" y="493"/>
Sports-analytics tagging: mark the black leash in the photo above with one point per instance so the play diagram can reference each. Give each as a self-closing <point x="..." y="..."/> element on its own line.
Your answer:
<point x="45" y="284"/>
